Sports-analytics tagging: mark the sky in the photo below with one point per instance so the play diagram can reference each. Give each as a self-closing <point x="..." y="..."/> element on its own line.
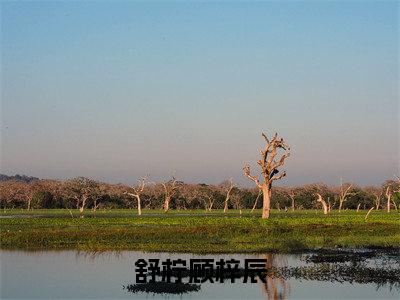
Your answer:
<point x="118" y="90"/>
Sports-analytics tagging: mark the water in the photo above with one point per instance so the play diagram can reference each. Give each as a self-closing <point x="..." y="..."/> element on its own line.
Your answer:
<point x="111" y="275"/>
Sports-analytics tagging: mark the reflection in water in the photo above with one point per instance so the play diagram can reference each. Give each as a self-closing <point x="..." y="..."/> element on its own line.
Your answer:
<point x="163" y="288"/>
<point x="329" y="273"/>
<point x="93" y="255"/>
<point x="363" y="267"/>
<point x="351" y="274"/>
<point x="275" y="287"/>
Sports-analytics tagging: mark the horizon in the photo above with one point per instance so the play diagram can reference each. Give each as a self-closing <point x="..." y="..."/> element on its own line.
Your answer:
<point x="246" y="186"/>
<point x="187" y="88"/>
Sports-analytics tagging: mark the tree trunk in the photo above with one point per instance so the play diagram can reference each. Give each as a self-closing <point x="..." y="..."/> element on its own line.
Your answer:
<point x="394" y="204"/>
<point x="166" y="204"/>
<point x="226" y="205"/>
<point x="324" y="205"/>
<point x="366" y="216"/>
<point x="378" y="203"/>
<point x="139" y="206"/>
<point x="358" y="206"/>
<point x="388" y="196"/>
<point x="266" y="202"/>
<point x="82" y="207"/>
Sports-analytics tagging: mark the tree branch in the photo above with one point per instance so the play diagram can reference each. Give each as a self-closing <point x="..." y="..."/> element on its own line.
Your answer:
<point x="246" y="172"/>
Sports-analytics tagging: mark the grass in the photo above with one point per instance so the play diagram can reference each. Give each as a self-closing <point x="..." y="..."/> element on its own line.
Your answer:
<point x="197" y="231"/>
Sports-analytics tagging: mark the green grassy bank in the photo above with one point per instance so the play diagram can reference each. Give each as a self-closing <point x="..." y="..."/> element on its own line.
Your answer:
<point x="196" y="231"/>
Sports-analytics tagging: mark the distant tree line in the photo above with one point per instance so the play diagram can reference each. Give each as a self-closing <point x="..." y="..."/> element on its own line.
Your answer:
<point x="84" y="193"/>
<point x="17" y="177"/>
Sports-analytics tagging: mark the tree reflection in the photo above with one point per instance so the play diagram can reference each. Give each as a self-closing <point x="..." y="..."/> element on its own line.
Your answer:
<point x="96" y="254"/>
<point x="163" y="288"/>
<point x="336" y="266"/>
<point x="275" y="287"/>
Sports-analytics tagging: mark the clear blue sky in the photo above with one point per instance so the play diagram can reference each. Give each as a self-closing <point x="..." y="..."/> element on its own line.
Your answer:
<point x="117" y="90"/>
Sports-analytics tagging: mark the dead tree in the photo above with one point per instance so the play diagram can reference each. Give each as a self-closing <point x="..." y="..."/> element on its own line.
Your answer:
<point x="369" y="211"/>
<point x="324" y="205"/>
<point x="208" y="202"/>
<point x="138" y="191"/>
<point x="343" y="193"/>
<point x="377" y="195"/>
<point x="331" y="206"/>
<point x="269" y="169"/>
<point x="396" y="193"/>
<point x="388" y="194"/>
<point x="292" y="195"/>
<point x="170" y="188"/>
<point x="228" y="194"/>
<point x="82" y="190"/>
<point x="237" y="202"/>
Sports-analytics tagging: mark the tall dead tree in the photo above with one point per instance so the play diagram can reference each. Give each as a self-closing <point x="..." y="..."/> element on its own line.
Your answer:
<point x="392" y="192"/>
<point x="323" y="202"/>
<point x="138" y="191"/>
<point x="344" y="191"/>
<point x="170" y="188"/>
<point x="228" y="194"/>
<point x="269" y="169"/>
<point x="388" y="194"/>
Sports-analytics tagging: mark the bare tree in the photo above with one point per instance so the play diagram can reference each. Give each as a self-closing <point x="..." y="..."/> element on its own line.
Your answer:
<point x="170" y="188"/>
<point x="269" y="169"/>
<point x="228" y="190"/>
<point x="138" y="191"/>
<point x="208" y="201"/>
<point x="392" y="190"/>
<point x="97" y="193"/>
<point x="237" y="202"/>
<point x="377" y="194"/>
<point x="331" y="206"/>
<point x="292" y="195"/>
<point x="344" y="191"/>
<point x="324" y="205"/>
<point x="81" y="189"/>
<point x="388" y="194"/>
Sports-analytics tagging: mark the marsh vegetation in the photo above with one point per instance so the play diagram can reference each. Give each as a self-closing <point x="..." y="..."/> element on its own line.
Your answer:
<point x="197" y="231"/>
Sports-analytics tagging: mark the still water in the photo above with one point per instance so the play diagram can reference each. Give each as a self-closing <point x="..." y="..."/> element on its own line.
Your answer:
<point x="111" y="275"/>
